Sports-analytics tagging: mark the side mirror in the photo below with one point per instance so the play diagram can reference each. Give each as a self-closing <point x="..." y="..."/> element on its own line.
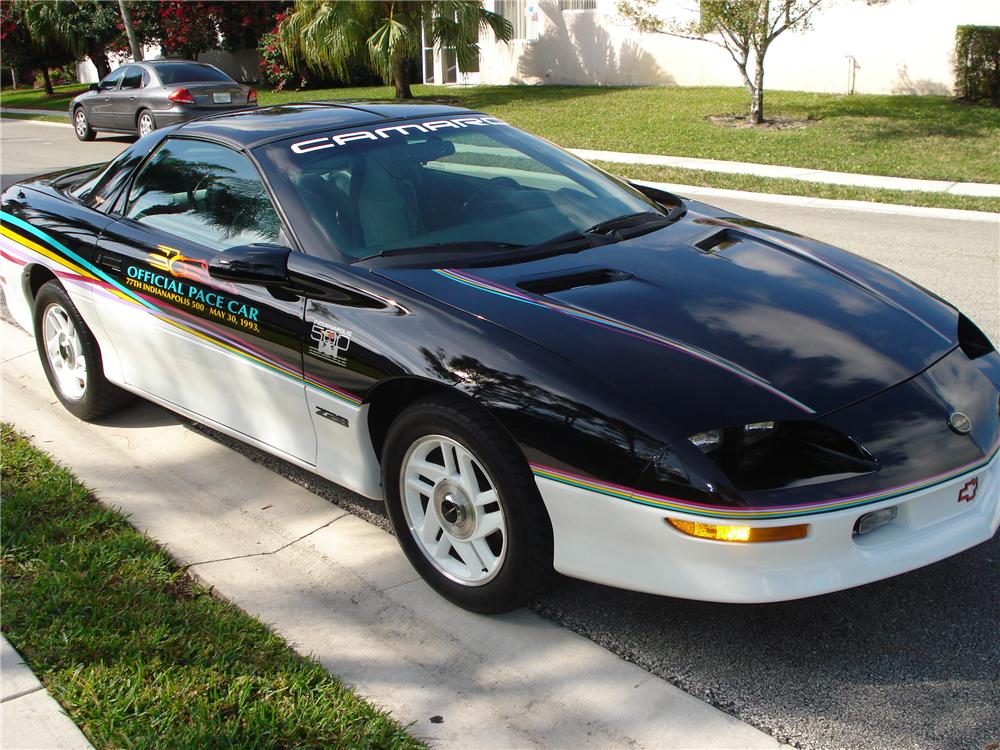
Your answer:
<point x="262" y="264"/>
<point x="95" y="87"/>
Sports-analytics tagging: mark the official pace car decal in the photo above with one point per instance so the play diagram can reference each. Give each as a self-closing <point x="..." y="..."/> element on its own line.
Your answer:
<point x="757" y="514"/>
<point x="147" y="288"/>
<point x="623" y="328"/>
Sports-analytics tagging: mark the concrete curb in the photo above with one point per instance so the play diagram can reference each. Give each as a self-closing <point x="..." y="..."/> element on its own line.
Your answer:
<point x="340" y="589"/>
<point x="29" y="716"/>
<point x="981" y="189"/>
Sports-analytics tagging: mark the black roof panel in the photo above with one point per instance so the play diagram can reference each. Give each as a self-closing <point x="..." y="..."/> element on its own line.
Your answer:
<point x="252" y="127"/>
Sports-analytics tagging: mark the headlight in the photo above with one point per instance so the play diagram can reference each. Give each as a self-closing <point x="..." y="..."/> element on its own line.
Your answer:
<point x="709" y="440"/>
<point x="771" y="455"/>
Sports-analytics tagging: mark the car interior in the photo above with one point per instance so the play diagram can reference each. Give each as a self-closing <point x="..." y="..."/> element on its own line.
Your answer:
<point x="435" y="190"/>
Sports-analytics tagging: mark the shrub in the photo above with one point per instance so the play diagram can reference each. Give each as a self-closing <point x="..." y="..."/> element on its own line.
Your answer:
<point x="274" y="70"/>
<point x="977" y="63"/>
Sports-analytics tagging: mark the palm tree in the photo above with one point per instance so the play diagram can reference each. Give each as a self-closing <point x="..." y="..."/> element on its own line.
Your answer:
<point x="328" y="35"/>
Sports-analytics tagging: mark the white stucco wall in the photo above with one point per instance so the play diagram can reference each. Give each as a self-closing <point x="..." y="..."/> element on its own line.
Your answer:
<point x="903" y="47"/>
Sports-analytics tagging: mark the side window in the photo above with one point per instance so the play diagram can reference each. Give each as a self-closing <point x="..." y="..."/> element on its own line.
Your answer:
<point x="111" y="79"/>
<point x="204" y="192"/>
<point x="145" y="78"/>
<point x="133" y="78"/>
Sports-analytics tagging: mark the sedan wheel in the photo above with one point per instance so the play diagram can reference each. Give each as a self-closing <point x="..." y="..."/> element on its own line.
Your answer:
<point x="464" y="505"/>
<point x="81" y="125"/>
<point x="146" y="124"/>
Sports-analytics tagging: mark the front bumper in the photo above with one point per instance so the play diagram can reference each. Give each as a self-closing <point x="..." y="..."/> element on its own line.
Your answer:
<point x="612" y="541"/>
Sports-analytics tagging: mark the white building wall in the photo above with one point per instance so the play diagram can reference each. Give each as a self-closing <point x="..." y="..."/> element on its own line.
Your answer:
<point x="903" y="47"/>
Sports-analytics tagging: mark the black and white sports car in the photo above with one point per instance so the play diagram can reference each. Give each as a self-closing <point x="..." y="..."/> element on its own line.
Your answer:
<point x="537" y="365"/>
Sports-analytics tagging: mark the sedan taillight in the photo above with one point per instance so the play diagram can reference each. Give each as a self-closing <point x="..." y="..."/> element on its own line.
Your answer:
<point x="181" y="96"/>
<point x="252" y="96"/>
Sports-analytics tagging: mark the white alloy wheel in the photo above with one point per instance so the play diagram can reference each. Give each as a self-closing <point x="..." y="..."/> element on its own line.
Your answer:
<point x="64" y="351"/>
<point x="145" y="124"/>
<point x="453" y="511"/>
<point x="81" y="123"/>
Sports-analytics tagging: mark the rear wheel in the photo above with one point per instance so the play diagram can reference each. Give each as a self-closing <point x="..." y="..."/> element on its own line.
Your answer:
<point x="144" y="123"/>
<point x="70" y="356"/>
<point x="81" y="125"/>
<point x="464" y="506"/>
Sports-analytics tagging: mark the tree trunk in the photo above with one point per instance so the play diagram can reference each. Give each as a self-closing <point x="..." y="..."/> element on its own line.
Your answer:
<point x="757" y="95"/>
<point x="133" y="41"/>
<point x="401" y="79"/>
<point x="99" y="56"/>
<point x="48" y="81"/>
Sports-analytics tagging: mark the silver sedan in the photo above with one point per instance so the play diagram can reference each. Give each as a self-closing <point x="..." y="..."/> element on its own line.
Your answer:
<point x="141" y="97"/>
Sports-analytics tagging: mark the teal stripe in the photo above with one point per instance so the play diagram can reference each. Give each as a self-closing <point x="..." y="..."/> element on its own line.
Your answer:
<point x="73" y="256"/>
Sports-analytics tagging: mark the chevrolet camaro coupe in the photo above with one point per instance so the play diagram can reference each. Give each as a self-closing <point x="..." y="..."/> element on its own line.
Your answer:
<point x="537" y="365"/>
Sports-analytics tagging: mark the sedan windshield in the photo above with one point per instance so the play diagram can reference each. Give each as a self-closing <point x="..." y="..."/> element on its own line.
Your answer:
<point x="421" y="187"/>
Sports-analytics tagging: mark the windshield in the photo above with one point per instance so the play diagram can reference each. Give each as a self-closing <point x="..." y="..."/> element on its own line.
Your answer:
<point x="466" y="180"/>
<point x="189" y="73"/>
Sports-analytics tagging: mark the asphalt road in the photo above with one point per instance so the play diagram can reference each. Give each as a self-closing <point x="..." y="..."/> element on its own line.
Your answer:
<point x="909" y="662"/>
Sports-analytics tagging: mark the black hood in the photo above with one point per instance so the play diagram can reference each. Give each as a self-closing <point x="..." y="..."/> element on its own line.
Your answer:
<point x="707" y="320"/>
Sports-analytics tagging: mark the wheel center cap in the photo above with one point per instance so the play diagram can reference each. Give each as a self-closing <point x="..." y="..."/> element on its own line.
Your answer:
<point x="66" y="352"/>
<point x="454" y="510"/>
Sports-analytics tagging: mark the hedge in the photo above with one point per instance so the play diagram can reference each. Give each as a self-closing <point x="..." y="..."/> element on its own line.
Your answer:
<point x="977" y="63"/>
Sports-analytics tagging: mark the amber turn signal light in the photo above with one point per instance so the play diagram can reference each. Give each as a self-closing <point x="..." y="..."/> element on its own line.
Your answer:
<point x="740" y="533"/>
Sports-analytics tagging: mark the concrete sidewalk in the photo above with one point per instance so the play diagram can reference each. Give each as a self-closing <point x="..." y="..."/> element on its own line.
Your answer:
<point x="30" y="718"/>
<point x="340" y="589"/>
<point x="980" y="189"/>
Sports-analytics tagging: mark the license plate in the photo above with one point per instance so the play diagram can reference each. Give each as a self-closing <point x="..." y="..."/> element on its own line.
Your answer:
<point x="225" y="98"/>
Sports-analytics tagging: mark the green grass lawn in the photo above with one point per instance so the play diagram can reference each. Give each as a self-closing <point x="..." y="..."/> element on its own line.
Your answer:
<point x="137" y="653"/>
<point x="930" y="137"/>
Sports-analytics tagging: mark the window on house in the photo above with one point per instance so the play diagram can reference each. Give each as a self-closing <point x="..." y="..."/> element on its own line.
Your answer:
<point x="514" y="11"/>
<point x="577" y="4"/>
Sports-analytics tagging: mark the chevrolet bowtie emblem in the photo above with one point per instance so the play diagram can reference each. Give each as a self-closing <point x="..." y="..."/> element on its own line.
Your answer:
<point x="968" y="492"/>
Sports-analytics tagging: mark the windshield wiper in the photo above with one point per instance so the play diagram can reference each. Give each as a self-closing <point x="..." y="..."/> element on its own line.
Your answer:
<point x="477" y="246"/>
<point x="631" y="225"/>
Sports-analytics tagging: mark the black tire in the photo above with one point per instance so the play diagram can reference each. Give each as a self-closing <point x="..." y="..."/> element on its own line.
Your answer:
<point x="81" y="125"/>
<point x="526" y="567"/>
<point x="139" y="118"/>
<point x="98" y="396"/>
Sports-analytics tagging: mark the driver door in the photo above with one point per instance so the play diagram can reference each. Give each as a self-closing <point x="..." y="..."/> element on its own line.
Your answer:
<point x="229" y="353"/>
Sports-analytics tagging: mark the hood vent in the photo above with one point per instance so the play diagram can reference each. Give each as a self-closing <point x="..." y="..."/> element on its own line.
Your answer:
<point x="572" y="280"/>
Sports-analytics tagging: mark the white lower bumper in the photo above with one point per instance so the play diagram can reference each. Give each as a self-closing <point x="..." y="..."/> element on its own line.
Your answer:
<point x="615" y="542"/>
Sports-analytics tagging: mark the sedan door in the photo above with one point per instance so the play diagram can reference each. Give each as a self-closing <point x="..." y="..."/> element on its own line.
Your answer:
<point x="99" y="106"/>
<point x="125" y="101"/>
<point x="228" y="353"/>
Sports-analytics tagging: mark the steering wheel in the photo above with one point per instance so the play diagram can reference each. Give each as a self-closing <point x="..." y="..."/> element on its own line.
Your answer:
<point x="489" y="187"/>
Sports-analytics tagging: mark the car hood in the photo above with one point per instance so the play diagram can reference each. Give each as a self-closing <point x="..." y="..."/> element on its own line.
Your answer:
<point x="715" y="322"/>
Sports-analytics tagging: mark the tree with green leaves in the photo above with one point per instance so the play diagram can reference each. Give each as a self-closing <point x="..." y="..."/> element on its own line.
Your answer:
<point x="40" y="43"/>
<point x="744" y="28"/>
<point x="328" y="35"/>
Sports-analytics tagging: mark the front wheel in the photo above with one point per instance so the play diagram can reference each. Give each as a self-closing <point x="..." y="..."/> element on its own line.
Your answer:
<point x="464" y="506"/>
<point x="81" y="125"/>
<point x="71" y="358"/>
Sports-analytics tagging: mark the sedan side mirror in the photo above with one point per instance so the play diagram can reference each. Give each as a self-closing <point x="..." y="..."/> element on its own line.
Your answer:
<point x="95" y="87"/>
<point x="261" y="264"/>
